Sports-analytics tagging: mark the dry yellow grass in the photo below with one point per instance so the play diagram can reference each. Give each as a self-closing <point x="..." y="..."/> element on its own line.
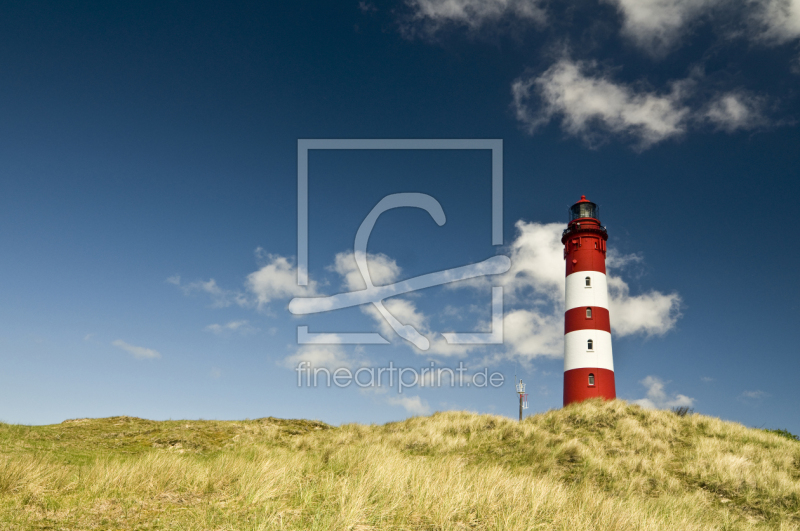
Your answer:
<point x="598" y="466"/>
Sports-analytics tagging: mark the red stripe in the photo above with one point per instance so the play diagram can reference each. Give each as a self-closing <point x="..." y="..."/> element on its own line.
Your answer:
<point x="588" y="260"/>
<point x="575" y="319"/>
<point x="585" y="253"/>
<point x="577" y="388"/>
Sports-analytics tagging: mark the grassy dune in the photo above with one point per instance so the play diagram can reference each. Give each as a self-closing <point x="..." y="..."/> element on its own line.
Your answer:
<point x="592" y="466"/>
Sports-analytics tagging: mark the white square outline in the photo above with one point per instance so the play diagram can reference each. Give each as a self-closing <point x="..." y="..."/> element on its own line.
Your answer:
<point x="304" y="145"/>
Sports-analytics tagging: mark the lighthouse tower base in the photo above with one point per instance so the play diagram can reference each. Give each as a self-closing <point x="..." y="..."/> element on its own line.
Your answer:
<point x="584" y="383"/>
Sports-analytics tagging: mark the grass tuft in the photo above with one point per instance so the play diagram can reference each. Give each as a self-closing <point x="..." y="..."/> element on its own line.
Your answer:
<point x="785" y="434"/>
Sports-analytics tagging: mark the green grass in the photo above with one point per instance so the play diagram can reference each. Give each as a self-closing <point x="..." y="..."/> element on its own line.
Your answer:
<point x="784" y="433"/>
<point x="596" y="465"/>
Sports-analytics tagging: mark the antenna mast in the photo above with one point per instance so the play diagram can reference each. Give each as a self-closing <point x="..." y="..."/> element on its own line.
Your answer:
<point x="523" y="397"/>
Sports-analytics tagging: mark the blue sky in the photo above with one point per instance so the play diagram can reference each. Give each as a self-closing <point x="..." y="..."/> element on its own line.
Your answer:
<point x="148" y="181"/>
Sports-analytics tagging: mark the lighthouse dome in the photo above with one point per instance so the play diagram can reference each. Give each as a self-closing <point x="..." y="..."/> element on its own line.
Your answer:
<point x="584" y="209"/>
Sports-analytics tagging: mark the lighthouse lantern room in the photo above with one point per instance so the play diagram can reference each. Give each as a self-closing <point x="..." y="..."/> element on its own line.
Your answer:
<point x="588" y="363"/>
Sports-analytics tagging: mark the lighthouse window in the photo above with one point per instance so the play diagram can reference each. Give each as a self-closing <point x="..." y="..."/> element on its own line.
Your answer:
<point x="591" y="379"/>
<point x="588" y="313"/>
<point x="588" y="282"/>
<point x="590" y="344"/>
<point x="584" y="210"/>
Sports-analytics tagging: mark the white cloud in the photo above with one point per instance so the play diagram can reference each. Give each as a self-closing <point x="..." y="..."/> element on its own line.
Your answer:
<point x="537" y="260"/>
<point x="367" y="7"/>
<point x="652" y="313"/>
<point x="382" y="270"/>
<point x="531" y="334"/>
<point x="454" y="312"/>
<point x="777" y="21"/>
<point x="407" y="313"/>
<point x="432" y="15"/>
<point x="330" y="357"/>
<point x="140" y="353"/>
<point x="277" y="280"/>
<point x="537" y="263"/>
<point x="657" y="397"/>
<point x="752" y="395"/>
<point x="221" y="298"/>
<point x="615" y="260"/>
<point x="656" y="25"/>
<point x="536" y="280"/>
<point x="404" y="311"/>
<point x="413" y="404"/>
<point x="243" y="327"/>
<point x="735" y="110"/>
<point x="591" y="105"/>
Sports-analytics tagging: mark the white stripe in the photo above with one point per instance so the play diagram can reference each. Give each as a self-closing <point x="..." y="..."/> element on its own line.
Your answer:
<point x="578" y="356"/>
<point x="578" y="294"/>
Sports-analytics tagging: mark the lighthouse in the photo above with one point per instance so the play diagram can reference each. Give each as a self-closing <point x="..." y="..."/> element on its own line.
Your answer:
<point x="588" y="363"/>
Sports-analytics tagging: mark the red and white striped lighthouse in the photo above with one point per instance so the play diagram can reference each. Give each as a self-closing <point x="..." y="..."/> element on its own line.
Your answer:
<point x="588" y="363"/>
